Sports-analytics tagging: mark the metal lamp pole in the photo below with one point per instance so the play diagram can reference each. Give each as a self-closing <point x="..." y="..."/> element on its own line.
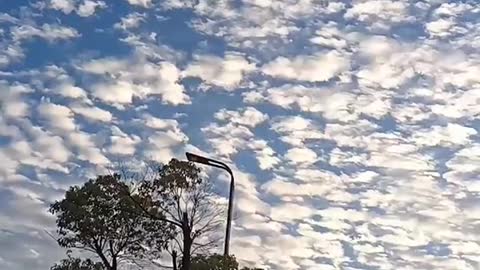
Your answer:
<point x="215" y="163"/>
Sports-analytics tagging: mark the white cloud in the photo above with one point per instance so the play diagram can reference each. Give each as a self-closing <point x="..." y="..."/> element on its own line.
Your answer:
<point x="380" y="14"/>
<point x="4" y="17"/>
<point x="47" y="149"/>
<point x="60" y="119"/>
<point x="136" y="78"/>
<point x="88" y="7"/>
<point x="10" y="53"/>
<point x="330" y="36"/>
<point x="449" y="135"/>
<point x="86" y="148"/>
<point x="161" y="145"/>
<point x="12" y="101"/>
<point x="392" y="63"/>
<point x="66" y="6"/>
<point x="265" y="155"/>
<point x="84" y="9"/>
<point x="314" y="68"/>
<point x="175" y="4"/>
<point x="295" y="130"/>
<point x="452" y="9"/>
<point x="252" y="97"/>
<point x="292" y="123"/>
<point x="367" y="159"/>
<point x="93" y="113"/>
<point x="248" y="116"/>
<point x="58" y="116"/>
<point x="121" y="143"/>
<point x="130" y="21"/>
<point x="290" y="212"/>
<point x="44" y="151"/>
<point x="51" y="147"/>
<point x="270" y="30"/>
<point x="461" y="105"/>
<point x="284" y="188"/>
<point x="226" y="72"/>
<point x="333" y="104"/>
<point x="443" y="28"/>
<point x="301" y="155"/>
<point x="158" y="123"/>
<point x="118" y="92"/>
<point x="142" y="3"/>
<point x="49" y="32"/>
<point x="71" y="91"/>
<point x="228" y="139"/>
<point x="103" y="66"/>
<point x="240" y="29"/>
<point x="464" y="167"/>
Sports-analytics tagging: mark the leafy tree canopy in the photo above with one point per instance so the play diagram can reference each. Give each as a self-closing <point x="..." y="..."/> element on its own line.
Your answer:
<point x="100" y="218"/>
<point x="77" y="264"/>
<point x="217" y="262"/>
<point x="214" y="262"/>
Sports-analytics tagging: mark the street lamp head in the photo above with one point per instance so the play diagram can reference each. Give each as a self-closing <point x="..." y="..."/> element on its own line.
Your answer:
<point x="196" y="158"/>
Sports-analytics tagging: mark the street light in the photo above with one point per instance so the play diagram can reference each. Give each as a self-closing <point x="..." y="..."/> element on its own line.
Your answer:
<point x="215" y="163"/>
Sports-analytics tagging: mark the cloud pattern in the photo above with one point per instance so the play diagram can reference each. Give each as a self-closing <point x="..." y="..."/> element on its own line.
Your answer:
<point x="352" y="125"/>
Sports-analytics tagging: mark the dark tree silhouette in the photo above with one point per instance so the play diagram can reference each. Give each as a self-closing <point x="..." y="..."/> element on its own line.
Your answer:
<point x="99" y="218"/>
<point x="178" y="195"/>
<point x="214" y="262"/>
<point x="217" y="262"/>
<point x="77" y="264"/>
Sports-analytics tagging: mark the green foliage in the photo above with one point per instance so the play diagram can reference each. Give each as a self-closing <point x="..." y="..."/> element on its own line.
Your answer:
<point x="77" y="264"/>
<point x="100" y="218"/>
<point x="174" y="179"/>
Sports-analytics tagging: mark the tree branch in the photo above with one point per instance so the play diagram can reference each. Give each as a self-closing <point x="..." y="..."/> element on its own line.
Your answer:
<point x="150" y="214"/>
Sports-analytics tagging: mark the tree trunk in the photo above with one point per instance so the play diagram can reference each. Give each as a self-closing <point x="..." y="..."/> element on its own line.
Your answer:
<point x="186" y="259"/>
<point x="174" y="259"/>
<point x="102" y="256"/>
<point x="187" y="243"/>
<point x="114" y="263"/>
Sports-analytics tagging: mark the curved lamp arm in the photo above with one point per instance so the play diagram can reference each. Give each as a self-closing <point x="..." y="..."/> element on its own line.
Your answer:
<point x="215" y="163"/>
<point x="207" y="161"/>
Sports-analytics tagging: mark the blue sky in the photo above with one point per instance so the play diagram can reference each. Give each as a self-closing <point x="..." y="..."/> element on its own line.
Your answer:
<point x="352" y="126"/>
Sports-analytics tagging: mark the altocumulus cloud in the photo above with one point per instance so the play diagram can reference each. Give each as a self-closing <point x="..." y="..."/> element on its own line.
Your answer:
<point x="352" y="126"/>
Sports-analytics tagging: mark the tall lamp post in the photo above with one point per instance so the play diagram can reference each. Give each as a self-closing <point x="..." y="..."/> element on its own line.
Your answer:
<point x="215" y="163"/>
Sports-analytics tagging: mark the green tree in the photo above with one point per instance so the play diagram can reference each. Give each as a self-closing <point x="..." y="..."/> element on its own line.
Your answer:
<point x="99" y="218"/>
<point x="178" y="195"/>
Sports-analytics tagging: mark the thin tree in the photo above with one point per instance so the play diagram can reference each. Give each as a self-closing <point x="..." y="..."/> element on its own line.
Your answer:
<point x="178" y="195"/>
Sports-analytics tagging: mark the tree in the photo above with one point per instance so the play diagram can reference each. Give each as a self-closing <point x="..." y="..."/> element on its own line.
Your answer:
<point x="179" y="196"/>
<point x="214" y="262"/>
<point x="77" y="264"/>
<point x="99" y="218"/>
<point x="217" y="262"/>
